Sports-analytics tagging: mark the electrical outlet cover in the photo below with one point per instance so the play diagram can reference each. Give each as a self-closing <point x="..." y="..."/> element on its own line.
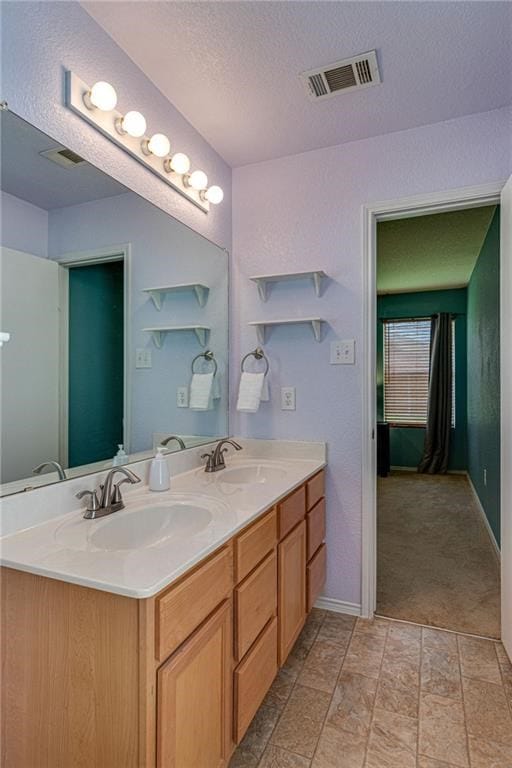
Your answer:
<point x="287" y="398"/>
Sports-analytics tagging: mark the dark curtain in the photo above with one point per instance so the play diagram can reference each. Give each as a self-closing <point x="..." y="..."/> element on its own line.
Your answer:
<point x="439" y="412"/>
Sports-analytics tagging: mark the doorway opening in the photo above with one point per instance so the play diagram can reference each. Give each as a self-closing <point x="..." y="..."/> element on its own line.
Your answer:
<point x="438" y="428"/>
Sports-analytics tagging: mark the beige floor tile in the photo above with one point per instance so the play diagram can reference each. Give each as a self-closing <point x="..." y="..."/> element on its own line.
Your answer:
<point x="402" y="699"/>
<point x="352" y="703"/>
<point x="428" y="762"/>
<point x="487" y="712"/>
<point x="316" y="617"/>
<point x="340" y="749"/>
<point x="281" y="688"/>
<point x="362" y="662"/>
<point x="440" y="673"/>
<point x="376" y="626"/>
<point x="392" y="742"/>
<point x="275" y="757"/>
<point x="299" y="728"/>
<point x="506" y="675"/>
<point x="337" y="622"/>
<point x="402" y="631"/>
<point x="252" y="746"/>
<point x="436" y="638"/>
<point x="488" y="754"/>
<point x="442" y="733"/>
<point x="401" y="663"/>
<point x="322" y="666"/>
<point x="478" y="659"/>
<point x="503" y="659"/>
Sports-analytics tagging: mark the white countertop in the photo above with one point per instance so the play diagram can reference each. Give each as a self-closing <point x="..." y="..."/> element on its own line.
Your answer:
<point x="63" y="547"/>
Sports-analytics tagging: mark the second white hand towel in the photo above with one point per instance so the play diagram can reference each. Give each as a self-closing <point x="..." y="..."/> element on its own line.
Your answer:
<point x="201" y="391"/>
<point x="249" y="393"/>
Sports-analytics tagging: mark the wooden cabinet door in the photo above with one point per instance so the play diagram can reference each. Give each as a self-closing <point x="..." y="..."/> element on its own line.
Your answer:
<point x="292" y="589"/>
<point x="194" y="698"/>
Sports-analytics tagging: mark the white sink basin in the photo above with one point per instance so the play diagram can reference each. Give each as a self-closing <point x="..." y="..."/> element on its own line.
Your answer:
<point x="258" y="473"/>
<point x="145" y="525"/>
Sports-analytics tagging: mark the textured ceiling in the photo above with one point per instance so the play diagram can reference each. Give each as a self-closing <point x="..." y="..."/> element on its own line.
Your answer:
<point x="232" y="68"/>
<point x="430" y="252"/>
<point x="27" y="175"/>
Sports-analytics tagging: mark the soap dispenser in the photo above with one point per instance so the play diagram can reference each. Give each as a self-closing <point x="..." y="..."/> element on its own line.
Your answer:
<point x="121" y="457"/>
<point x="159" y="479"/>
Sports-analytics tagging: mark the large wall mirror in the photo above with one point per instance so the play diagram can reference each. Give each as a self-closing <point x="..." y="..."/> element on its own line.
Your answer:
<point x="107" y="305"/>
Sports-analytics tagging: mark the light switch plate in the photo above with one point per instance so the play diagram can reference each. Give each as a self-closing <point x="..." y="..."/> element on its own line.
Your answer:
<point x="143" y="358"/>
<point x="182" y="397"/>
<point x="287" y="398"/>
<point x="343" y="352"/>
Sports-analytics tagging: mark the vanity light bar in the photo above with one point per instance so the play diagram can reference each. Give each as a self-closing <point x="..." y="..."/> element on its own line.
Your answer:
<point x="97" y="105"/>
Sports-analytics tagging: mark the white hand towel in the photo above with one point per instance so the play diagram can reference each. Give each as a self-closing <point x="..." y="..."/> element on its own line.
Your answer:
<point x="201" y="391"/>
<point x="216" y="387"/>
<point x="249" y="393"/>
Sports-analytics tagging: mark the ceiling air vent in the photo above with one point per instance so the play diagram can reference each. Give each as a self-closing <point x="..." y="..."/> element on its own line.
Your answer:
<point x="64" y="157"/>
<point x="357" y="72"/>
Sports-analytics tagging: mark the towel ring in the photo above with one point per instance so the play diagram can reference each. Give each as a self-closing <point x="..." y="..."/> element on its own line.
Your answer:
<point x="258" y="354"/>
<point x="208" y="355"/>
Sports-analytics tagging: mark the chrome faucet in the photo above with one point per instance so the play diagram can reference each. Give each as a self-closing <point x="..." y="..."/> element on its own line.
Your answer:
<point x="215" y="459"/>
<point x="178" y="440"/>
<point x="110" y="499"/>
<point x="55" y="464"/>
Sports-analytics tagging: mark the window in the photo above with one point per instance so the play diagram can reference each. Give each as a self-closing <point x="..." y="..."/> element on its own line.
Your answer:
<point x="406" y="371"/>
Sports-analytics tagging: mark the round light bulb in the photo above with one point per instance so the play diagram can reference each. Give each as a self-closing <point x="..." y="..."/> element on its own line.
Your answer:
<point x="180" y="163"/>
<point x="214" y="195"/>
<point x="159" y="145"/>
<point x="198" y="180"/>
<point x="102" y="96"/>
<point x="134" y="124"/>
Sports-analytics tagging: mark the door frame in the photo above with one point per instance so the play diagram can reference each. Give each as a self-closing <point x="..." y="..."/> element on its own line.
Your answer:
<point x="86" y="258"/>
<point x="420" y="205"/>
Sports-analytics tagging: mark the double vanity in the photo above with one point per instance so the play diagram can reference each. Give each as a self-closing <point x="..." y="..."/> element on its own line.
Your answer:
<point x="149" y="637"/>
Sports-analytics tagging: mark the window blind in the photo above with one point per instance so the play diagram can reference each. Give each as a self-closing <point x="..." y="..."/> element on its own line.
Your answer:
<point x="406" y="369"/>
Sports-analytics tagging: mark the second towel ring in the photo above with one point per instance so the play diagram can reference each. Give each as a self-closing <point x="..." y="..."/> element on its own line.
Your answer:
<point x="208" y="355"/>
<point x="258" y="354"/>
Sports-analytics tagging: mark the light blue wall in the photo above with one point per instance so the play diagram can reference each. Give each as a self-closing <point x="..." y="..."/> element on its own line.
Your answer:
<point x="39" y="40"/>
<point x="23" y="227"/>
<point x="407" y="442"/>
<point x="484" y="378"/>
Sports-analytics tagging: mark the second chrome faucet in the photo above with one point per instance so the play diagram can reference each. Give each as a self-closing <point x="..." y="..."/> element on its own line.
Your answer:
<point x="215" y="460"/>
<point x="110" y="494"/>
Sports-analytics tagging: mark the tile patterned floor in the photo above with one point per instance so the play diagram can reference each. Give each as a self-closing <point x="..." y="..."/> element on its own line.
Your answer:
<point x="383" y="694"/>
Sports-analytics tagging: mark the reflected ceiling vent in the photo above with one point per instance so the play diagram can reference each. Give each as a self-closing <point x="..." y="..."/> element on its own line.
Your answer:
<point x="348" y="75"/>
<point x="64" y="157"/>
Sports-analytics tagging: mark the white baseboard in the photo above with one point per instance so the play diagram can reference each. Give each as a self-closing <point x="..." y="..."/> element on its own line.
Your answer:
<point x="484" y="519"/>
<point x="338" y="606"/>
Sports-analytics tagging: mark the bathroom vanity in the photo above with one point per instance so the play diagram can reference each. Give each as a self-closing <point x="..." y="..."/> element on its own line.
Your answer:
<point x="106" y="665"/>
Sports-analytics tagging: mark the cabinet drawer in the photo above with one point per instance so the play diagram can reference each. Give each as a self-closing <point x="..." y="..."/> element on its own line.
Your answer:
<point x="291" y="511"/>
<point x="315" y="576"/>
<point x="255" y="604"/>
<point x="315" y="520"/>
<point x="253" y="544"/>
<point x="315" y="489"/>
<point x="181" y="609"/>
<point x="253" y="678"/>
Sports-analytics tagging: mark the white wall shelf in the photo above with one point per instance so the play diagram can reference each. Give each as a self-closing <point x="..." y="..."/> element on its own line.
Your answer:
<point x="157" y="294"/>
<point x="201" y="331"/>
<point x="262" y="325"/>
<point x="262" y="281"/>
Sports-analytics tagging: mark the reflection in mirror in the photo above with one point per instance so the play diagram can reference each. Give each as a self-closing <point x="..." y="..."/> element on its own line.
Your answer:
<point x="113" y="318"/>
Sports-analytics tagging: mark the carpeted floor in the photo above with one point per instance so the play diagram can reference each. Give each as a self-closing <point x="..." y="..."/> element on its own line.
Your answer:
<point x="436" y="564"/>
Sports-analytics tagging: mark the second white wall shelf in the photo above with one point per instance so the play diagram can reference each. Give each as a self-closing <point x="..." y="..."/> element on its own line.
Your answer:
<point x="157" y="294"/>
<point x="317" y="276"/>
<point x="262" y="325"/>
<point x="201" y="331"/>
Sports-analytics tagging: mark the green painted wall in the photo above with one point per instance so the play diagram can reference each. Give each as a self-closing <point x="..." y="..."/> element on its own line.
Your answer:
<point x="484" y="381"/>
<point x="407" y="442"/>
<point x="96" y="362"/>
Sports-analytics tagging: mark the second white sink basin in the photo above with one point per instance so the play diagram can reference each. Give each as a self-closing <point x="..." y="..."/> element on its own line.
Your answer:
<point x="252" y="474"/>
<point x="145" y="525"/>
